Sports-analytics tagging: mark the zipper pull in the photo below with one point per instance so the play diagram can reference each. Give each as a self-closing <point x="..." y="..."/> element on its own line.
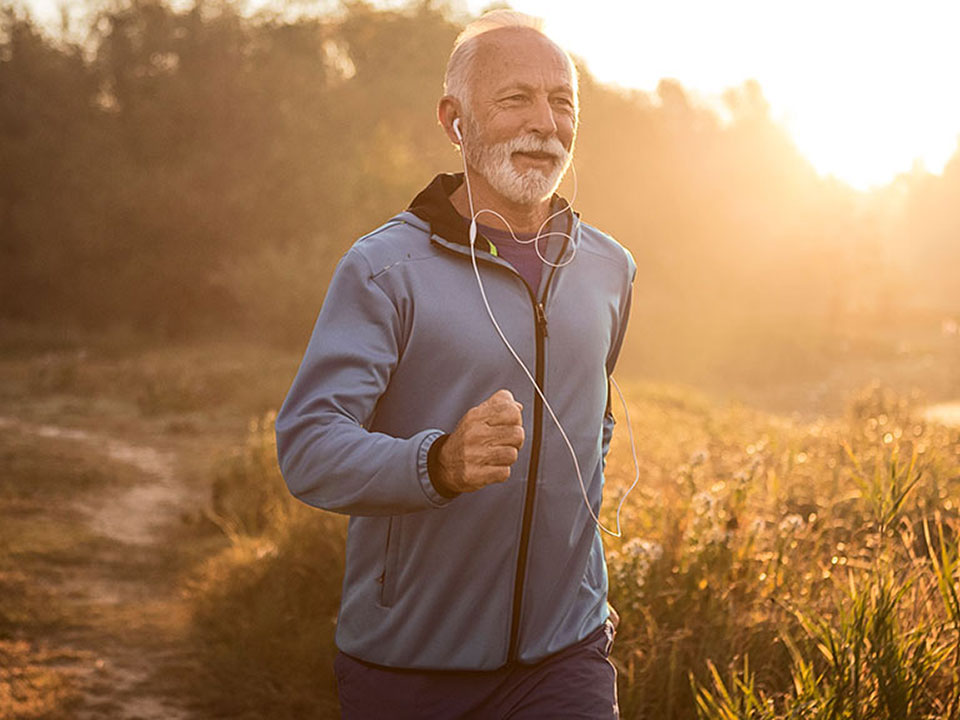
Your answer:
<point x="542" y="319"/>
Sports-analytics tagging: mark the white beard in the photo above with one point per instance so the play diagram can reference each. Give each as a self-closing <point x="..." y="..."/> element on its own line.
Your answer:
<point x="495" y="163"/>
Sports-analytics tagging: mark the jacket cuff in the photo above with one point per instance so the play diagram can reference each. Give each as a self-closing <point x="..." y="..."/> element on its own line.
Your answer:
<point x="426" y="484"/>
<point x="433" y="467"/>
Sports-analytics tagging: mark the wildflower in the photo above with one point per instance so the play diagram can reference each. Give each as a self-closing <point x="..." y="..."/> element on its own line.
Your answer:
<point x="703" y="502"/>
<point x="716" y="534"/>
<point x="636" y="558"/>
<point x="643" y="549"/>
<point x="791" y="523"/>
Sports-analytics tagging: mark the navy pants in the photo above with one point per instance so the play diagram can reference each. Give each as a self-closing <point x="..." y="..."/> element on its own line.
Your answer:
<point x="577" y="683"/>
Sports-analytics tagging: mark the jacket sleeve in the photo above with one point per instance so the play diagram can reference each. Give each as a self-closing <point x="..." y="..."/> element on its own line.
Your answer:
<point x="328" y="457"/>
<point x="608" y="420"/>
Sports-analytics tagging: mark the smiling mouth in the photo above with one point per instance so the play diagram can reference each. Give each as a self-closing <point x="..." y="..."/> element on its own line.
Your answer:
<point x="537" y="155"/>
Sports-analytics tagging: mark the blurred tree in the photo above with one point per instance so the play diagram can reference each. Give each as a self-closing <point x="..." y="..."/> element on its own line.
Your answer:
<point x="929" y="234"/>
<point x="198" y="169"/>
<point x="51" y="144"/>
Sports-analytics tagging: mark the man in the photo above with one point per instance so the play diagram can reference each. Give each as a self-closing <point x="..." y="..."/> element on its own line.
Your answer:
<point x="475" y="583"/>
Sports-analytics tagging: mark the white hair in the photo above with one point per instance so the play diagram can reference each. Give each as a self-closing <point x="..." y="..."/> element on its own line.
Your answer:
<point x="456" y="81"/>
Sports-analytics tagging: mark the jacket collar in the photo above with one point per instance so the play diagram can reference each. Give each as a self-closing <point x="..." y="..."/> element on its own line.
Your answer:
<point x="433" y="206"/>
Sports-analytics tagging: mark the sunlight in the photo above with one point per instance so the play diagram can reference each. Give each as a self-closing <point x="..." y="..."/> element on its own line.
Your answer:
<point x="865" y="89"/>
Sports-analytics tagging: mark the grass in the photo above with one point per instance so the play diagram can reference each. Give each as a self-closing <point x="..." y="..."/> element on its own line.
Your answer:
<point x="188" y="383"/>
<point x="771" y="568"/>
<point x="41" y="541"/>
<point x="265" y="607"/>
<point x="29" y="688"/>
<point x="779" y="542"/>
<point x="81" y="612"/>
<point x="37" y="542"/>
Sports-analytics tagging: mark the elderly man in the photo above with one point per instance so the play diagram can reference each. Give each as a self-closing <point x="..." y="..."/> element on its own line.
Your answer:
<point x="475" y="583"/>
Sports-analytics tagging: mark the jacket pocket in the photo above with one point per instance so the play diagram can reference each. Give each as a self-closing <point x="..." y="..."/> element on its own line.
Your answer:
<point x="391" y="562"/>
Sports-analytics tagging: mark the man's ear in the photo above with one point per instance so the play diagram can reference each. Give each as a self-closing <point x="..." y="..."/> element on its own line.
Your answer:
<point x="448" y="110"/>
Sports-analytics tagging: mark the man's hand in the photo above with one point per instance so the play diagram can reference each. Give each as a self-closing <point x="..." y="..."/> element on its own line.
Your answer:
<point x="484" y="445"/>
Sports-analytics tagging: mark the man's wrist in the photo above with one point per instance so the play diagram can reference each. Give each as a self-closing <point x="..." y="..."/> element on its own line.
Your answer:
<point x="433" y="468"/>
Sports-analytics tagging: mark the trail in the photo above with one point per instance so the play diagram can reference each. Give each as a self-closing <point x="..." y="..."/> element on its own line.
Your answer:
<point x="128" y="618"/>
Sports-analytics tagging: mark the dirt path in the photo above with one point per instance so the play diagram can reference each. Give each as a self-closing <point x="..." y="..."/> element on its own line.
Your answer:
<point x="123" y="645"/>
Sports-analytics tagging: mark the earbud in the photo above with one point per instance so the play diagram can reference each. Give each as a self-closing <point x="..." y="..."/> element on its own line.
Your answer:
<point x="456" y="129"/>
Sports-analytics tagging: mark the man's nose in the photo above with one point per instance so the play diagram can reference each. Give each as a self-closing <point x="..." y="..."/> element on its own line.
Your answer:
<point x="542" y="120"/>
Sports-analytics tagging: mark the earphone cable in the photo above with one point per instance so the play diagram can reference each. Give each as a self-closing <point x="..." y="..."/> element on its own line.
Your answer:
<point x="526" y="370"/>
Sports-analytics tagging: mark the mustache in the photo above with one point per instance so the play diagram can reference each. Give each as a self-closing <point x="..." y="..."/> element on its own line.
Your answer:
<point x="534" y="143"/>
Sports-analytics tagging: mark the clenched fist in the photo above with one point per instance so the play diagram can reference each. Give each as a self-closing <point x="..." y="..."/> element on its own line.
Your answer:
<point x="484" y="445"/>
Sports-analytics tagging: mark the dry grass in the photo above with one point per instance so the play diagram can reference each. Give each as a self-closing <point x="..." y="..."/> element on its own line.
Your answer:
<point x="751" y="542"/>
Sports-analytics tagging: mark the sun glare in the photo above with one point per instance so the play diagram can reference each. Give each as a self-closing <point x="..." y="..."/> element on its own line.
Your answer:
<point x="866" y="89"/>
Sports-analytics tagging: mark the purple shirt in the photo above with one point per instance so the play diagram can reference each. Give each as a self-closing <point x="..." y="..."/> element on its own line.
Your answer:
<point x="523" y="257"/>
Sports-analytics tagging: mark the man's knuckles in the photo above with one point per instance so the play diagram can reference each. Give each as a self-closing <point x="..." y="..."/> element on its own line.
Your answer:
<point x="502" y="399"/>
<point x="505" y="415"/>
<point x="505" y="456"/>
<point x="510" y="436"/>
<point x="514" y="436"/>
<point x="483" y="475"/>
<point x="497" y="474"/>
<point x="491" y="454"/>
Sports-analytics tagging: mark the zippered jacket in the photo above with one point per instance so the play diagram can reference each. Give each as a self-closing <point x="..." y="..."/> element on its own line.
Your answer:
<point x="401" y="349"/>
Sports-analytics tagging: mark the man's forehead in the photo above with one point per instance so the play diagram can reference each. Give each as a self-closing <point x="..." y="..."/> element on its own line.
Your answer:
<point x="514" y="54"/>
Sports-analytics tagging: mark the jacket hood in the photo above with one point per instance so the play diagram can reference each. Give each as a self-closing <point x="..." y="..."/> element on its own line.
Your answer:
<point x="433" y="206"/>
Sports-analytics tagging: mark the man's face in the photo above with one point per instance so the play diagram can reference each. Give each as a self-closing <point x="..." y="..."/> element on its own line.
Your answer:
<point x="521" y="123"/>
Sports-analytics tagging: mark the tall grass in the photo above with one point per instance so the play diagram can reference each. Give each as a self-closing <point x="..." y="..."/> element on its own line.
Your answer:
<point x="771" y="568"/>
<point x="881" y="641"/>
<point x="882" y="646"/>
<point x="265" y="607"/>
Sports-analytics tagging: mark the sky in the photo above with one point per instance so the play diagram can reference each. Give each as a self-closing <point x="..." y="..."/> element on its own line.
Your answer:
<point x="867" y="89"/>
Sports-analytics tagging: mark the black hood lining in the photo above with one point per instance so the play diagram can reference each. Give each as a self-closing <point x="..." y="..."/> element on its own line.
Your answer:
<point x="433" y="206"/>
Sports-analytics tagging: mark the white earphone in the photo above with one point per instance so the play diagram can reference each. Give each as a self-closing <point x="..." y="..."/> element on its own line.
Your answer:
<point x="476" y="270"/>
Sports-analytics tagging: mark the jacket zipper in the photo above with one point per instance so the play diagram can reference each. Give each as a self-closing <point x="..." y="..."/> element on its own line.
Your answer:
<point x="540" y="320"/>
<point x="391" y="555"/>
<point x="540" y="323"/>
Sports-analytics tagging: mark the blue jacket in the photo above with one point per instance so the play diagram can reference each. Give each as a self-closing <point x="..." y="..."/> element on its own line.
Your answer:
<point x="402" y="348"/>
